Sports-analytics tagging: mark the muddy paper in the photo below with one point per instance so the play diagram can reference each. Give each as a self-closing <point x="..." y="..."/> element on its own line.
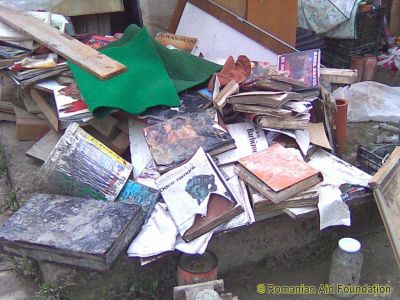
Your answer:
<point x="332" y="210"/>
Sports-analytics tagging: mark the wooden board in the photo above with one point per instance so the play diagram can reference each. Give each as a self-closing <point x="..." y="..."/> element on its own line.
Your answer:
<point x="87" y="7"/>
<point x="30" y="105"/>
<point x="238" y="7"/>
<point x="275" y="16"/>
<point x="343" y="76"/>
<point x="394" y="18"/>
<point x="71" y="49"/>
<point x="46" y="109"/>
<point x="41" y="150"/>
<point x="7" y="117"/>
<point x="386" y="188"/>
<point x="7" y="107"/>
<point x="106" y="126"/>
<point x="219" y="30"/>
<point x="29" y="127"/>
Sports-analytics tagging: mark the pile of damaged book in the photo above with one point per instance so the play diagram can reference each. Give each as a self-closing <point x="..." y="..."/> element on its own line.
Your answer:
<point x="154" y="149"/>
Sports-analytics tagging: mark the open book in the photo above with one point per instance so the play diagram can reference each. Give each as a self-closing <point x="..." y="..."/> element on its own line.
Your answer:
<point x="197" y="196"/>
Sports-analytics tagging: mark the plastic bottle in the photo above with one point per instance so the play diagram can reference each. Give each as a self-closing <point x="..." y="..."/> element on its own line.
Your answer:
<point x="346" y="267"/>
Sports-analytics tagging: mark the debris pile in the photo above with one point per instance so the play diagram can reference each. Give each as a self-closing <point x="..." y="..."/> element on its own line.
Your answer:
<point x="130" y="124"/>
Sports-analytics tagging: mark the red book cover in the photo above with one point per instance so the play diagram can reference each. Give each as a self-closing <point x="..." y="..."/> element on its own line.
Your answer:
<point x="278" y="167"/>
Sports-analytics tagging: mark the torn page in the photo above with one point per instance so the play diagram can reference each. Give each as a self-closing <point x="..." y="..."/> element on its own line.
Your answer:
<point x="140" y="152"/>
<point x="186" y="189"/>
<point x="301" y="137"/>
<point x="238" y="188"/>
<point x="332" y="210"/>
<point x="158" y="235"/>
<point x="248" y="140"/>
<point x="197" y="246"/>
<point x="336" y="171"/>
<point x="318" y="136"/>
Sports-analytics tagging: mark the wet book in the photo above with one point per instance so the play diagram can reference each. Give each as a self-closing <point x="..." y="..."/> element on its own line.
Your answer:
<point x="198" y="196"/>
<point x="277" y="172"/>
<point x="263" y="205"/>
<point x="299" y="121"/>
<point x="273" y="99"/>
<point x="303" y="66"/>
<point x="174" y="141"/>
<point x="139" y="194"/>
<point x="80" y="165"/>
<point x="79" y="232"/>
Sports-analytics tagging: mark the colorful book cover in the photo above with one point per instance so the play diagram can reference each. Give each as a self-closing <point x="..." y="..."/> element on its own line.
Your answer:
<point x="177" y="139"/>
<point x="303" y="66"/>
<point x="278" y="167"/>
<point x="188" y="189"/>
<point x="81" y="166"/>
<point x="139" y="194"/>
<point x="70" y="107"/>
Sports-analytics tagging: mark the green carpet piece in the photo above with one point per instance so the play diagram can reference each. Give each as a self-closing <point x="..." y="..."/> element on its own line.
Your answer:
<point x="185" y="70"/>
<point x="154" y="77"/>
<point x="145" y="84"/>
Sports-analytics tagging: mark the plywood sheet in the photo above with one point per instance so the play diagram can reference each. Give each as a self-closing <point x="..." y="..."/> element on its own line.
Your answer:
<point x="236" y="6"/>
<point x="275" y="16"/>
<point x="218" y="39"/>
<point x="386" y="187"/>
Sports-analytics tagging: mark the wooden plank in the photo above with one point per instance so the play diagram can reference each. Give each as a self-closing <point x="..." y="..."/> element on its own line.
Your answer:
<point x="342" y="76"/>
<point x="173" y="24"/>
<point x="30" y="105"/>
<point x="106" y="126"/>
<point x="264" y="15"/>
<point x="243" y="26"/>
<point x="7" y="107"/>
<point x="384" y="171"/>
<point x="238" y="7"/>
<point x="46" y="108"/>
<point x="7" y="117"/>
<point x="84" y="56"/>
<point x="120" y="143"/>
<point x="41" y="150"/>
<point x="386" y="188"/>
<point x="29" y="127"/>
<point x="87" y="7"/>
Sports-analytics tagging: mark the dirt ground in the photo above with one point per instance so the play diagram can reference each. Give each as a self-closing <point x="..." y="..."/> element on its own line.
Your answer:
<point x="379" y="267"/>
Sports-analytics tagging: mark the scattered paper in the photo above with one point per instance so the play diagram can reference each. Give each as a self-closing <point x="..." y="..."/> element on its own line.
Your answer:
<point x="238" y="188"/>
<point x="140" y="152"/>
<point x="158" y="235"/>
<point x="187" y="189"/>
<point x="318" y="136"/>
<point x="336" y="171"/>
<point x="332" y="210"/>
<point x="301" y="137"/>
<point x="248" y="140"/>
<point x="197" y="246"/>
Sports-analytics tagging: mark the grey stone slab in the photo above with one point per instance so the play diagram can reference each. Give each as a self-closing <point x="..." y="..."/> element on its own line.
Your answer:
<point x="80" y="232"/>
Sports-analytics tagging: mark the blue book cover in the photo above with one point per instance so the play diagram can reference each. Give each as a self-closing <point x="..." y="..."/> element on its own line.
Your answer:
<point x="140" y="194"/>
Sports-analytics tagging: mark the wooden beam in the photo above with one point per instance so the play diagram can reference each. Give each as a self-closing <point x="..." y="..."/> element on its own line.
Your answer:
<point x="243" y="26"/>
<point x="46" y="109"/>
<point x="176" y="17"/>
<point x="29" y="127"/>
<point x="71" y="49"/>
<point x="384" y="171"/>
<point x="341" y="76"/>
